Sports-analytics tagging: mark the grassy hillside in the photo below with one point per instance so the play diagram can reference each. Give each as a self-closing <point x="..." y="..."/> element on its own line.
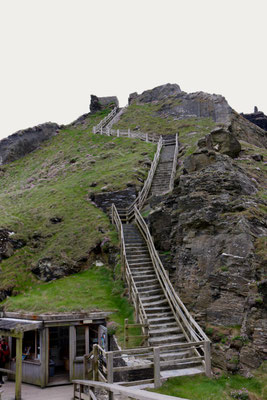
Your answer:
<point x="94" y="289"/>
<point x="148" y="118"/>
<point x="52" y="184"/>
<point x="223" y="388"/>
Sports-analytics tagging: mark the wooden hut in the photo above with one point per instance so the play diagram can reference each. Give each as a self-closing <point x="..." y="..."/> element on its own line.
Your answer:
<point x="50" y="348"/>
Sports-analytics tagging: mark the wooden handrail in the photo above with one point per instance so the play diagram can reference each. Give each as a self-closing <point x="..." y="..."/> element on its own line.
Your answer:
<point x="105" y="120"/>
<point x="174" y="165"/>
<point x="113" y="388"/>
<point x="127" y="274"/>
<point x="175" y="302"/>
<point x="142" y="195"/>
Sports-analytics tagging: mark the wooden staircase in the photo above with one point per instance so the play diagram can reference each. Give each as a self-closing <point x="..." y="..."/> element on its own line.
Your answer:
<point x="162" y="177"/>
<point x="177" y="344"/>
<point x="163" y="328"/>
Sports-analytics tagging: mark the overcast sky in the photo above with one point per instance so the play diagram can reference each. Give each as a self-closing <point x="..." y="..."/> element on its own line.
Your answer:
<point x="55" y="53"/>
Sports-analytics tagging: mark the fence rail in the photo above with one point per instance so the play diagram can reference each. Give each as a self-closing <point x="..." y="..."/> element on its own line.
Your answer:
<point x="86" y="390"/>
<point x="174" y="165"/>
<point x="189" y="326"/>
<point x="106" y="364"/>
<point x="127" y="274"/>
<point x="127" y="214"/>
<point x="128" y="337"/>
<point x="99" y="127"/>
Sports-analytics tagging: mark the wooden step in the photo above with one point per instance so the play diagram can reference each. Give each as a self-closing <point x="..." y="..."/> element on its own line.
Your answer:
<point x="170" y="339"/>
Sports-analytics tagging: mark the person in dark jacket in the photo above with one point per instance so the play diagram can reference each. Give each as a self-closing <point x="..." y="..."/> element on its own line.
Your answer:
<point x="4" y="357"/>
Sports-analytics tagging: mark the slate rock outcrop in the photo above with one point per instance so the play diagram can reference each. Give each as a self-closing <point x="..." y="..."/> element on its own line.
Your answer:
<point x="258" y="118"/>
<point x="101" y="103"/>
<point x="47" y="269"/>
<point x="25" y="141"/>
<point x="211" y="224"/>
<point x="156" y="94"/>
<point x="185" y="105"/>
<point x="8" y="245"/>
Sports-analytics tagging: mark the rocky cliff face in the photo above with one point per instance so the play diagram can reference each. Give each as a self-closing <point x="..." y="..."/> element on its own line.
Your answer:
<point x="23" y="142"/>
<point x="258" y="118"/>
<point x="185" y="105"/>
<point x="213" y="229"/>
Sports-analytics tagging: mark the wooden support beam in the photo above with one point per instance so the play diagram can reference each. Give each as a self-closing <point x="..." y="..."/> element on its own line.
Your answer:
<point x="95" y="363"/>
<point x="110" y="372"/>
<point x="207" y="356"/>
<point x="18" y="368"/>
<point x="110" y="366"/>
<point x="157" y="382"/>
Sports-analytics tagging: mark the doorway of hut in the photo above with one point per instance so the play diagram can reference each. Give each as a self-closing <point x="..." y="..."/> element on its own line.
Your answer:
<point x="58" y="355"/>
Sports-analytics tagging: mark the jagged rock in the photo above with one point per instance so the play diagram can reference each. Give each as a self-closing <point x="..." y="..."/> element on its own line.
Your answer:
<point x="225" y="142"/>
<point x="121" y="198"/>
<point x="246" y="130"/>
<point x="101" y="103"/>
<point x="132" y="97"/>
<point x="156" y="94"/>
<point x="249" y="357"/>
<point x="258" y="118"/>
<point x="47" y="269"/>
<point x="198" y="160"/>
<point x="212" y="225"/>
<point x="257" y="157"/>
<point x="232" y="360"/>
<point x="7" y="244"/>
<point x="218" y="358"/>
<point x="25" y="141"/>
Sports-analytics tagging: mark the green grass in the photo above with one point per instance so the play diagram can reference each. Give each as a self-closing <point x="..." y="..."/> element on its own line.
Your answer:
<point x="202" y="388"/>
<point x="94" y="289"/>
<point x="148" y="119"/>
<point x="55" y="181"/>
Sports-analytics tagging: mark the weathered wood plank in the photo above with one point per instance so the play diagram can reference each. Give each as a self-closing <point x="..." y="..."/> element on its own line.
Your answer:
<point x="18" y="368"/>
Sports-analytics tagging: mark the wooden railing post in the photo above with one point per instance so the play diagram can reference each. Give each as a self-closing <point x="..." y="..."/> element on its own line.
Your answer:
<point x="95" y="363"/>
<point x="137" y="309"/>
<point x="146" y="331"/>
<point x="125" y="332"/>
<point x="84" y="367"/>
<point x="112" y="214"/>
<point x="118" y="133"/>
<point x="18" y="367"/>
<point x="207" y="357"/>
<point x="109" y="366"/>
<point x="156" y="353"/>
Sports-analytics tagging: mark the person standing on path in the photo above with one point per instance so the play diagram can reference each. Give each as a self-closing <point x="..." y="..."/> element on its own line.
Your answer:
<point x="4" y="357"/>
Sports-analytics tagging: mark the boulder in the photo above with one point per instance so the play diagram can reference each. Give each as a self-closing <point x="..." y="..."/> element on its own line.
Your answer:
<point x="102" y="103"/>
<point x="47" y="269"/>
<point x="121" y="198"/>
<point x="198" y="161"/>
<point x="225" y="142"/>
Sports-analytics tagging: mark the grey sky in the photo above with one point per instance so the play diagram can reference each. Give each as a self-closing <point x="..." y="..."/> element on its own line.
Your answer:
<point x="55" y="53"/>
